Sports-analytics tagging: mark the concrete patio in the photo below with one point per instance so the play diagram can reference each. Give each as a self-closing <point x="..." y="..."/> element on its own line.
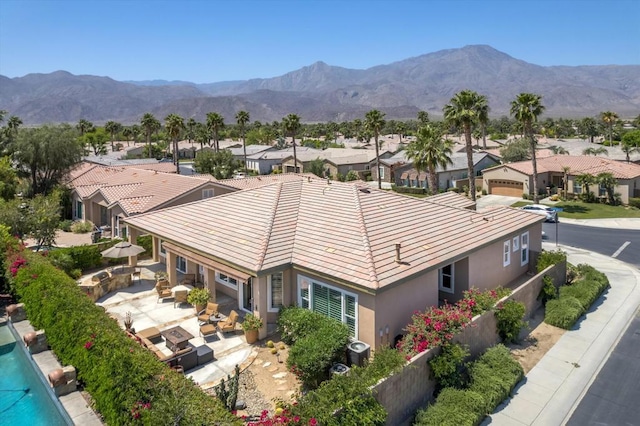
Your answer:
<point x="146" y="310"/>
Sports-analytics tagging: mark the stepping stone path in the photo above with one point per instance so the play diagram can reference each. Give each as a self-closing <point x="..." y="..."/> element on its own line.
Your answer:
<point x="280" y="375"/>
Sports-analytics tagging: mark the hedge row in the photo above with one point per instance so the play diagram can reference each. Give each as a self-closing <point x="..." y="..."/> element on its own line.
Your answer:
<point x="409" y="189"/>
<point x="492" y="378"/>
<point x="127" y="383"/>
<point x="575" y="299"/>
<point x="317" y="343"/>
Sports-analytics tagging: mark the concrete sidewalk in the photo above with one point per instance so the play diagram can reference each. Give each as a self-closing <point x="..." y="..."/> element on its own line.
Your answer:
<point x="617" y="223"/>
<point x="554" y="387"/>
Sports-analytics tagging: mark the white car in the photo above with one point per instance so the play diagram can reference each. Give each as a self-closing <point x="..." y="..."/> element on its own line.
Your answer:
<point x="550" y="213"/>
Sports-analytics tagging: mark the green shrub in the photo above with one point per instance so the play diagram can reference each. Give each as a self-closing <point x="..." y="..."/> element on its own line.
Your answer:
<point x="82" y="227"/>
<point x="65" y="225"/>
<point x="563" y="312"/>
<point x="116" y="371"/>
<point x="634" y="202"/>
<point x="454" y="407"/>
<point x="348" y="399"/>
<point x="145" y="242"/>
<point x="314" y="349"/>
<point x="295" y="323"/>
<point x="509" y="315"/>
<point x="484" y="192"/>
<point x="448" y="368"/>
<point x="494" y="375"/>
<point x="548" y="290"/>
<point x="84" y="257"/>
<point x="548" y="258"/>
<point x="484" y="300"/>
<point x="408" y="189"/>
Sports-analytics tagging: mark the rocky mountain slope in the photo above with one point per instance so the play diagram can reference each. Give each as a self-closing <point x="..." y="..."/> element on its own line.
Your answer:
<point x="322" y="92"/>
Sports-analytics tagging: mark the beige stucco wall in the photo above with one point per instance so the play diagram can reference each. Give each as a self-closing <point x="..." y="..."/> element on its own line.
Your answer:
<point x="486" y="270"/>
<point x="506" y="173"/>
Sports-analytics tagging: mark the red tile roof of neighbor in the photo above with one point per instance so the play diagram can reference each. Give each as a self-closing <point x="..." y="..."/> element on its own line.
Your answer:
<point x="338" y="229"/>
<point x="452" y="199"/>
<point x="262" y="180"/>
<point x="136" y="190"/>
<point x="578" y="164"/>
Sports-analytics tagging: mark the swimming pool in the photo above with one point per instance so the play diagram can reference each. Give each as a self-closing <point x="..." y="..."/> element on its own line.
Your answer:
<point x="25" y="398"/>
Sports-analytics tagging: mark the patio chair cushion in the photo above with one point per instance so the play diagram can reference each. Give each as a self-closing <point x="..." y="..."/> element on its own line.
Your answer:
<point x="180" y="297"/>
<point x="149" y="333"/>
<point x="207" y="329"/>
<point x="204" y="315"/>
<point x="229" y="324"/>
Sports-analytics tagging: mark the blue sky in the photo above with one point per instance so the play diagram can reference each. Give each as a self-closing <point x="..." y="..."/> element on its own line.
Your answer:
<point x="215" y="40"/>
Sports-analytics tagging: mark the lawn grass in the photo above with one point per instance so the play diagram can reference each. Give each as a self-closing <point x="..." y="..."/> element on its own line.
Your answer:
<point x="581" y="210"/>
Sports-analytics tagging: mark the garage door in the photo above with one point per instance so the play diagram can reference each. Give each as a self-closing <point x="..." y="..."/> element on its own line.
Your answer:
<point x="506" y="187"/>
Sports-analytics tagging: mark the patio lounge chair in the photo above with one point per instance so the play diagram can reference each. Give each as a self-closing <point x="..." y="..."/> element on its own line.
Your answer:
<point x="204" y="315"/>
<point x="207" y="330"/>
<point x="229" y="324"/>
<point x="163" y="293"/>
<point x="180" y="297"/>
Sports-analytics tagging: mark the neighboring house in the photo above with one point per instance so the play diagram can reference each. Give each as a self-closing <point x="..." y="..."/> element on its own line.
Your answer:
<point x="106" y="195"/>
<point x="238" y="152"/>
<point x="454" y="176"/>
<point x="266" y="162"/>
<point x="515" y="179"/>
<point x="336" y="161"/>
<point x="452" y="199"/>
<point x="388" y="166"/>
<point x="342" y="249"/>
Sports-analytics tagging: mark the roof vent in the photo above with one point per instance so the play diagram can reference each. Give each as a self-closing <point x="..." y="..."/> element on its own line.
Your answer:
<point x="328" y="181"/>
<point x="398" y="246"/>
<point x="365" y="190"/>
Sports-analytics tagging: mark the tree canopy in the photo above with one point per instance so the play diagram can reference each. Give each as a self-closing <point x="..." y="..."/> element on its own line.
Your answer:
<point x="221" y="164"/>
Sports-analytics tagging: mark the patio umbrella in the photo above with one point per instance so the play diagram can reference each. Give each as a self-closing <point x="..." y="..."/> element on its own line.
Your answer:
<point x="122" y="249"/>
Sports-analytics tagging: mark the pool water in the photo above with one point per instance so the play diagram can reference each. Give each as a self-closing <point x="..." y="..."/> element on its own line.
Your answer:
<point x="25" y="399"/>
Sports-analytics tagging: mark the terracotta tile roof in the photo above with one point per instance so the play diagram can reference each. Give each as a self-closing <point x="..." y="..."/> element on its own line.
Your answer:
<point x="262" y="180"/>
<point x="451" y="199"/>
<point x="336" y="229"/>
<point x="136" y="190"/>
<point x="338" y="156"/>
<point x="164" y="167"/>
<point x="579" y="164"/>
<point x="282" y="153"/>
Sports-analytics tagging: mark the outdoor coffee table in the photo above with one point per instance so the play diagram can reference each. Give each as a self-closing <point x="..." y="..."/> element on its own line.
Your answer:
<point x="177" y="338"/>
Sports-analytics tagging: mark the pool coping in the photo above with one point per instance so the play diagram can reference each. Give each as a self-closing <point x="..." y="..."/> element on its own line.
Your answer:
<point x="74" y="403"/>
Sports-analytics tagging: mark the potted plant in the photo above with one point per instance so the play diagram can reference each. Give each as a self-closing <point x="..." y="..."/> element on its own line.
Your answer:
<point x="251" y="325"/>
<point x="198" y="297"/>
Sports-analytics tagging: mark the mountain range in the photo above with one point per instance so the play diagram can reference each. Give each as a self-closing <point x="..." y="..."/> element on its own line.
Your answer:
<point x="321" y="92"/>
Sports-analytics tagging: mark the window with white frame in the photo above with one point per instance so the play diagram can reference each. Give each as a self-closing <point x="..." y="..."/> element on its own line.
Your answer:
<point x="329" y="301"/>
<point x="446" y="278"/>
<point x="207" y="193"/>
<point x="78" y="209"/>
<point x="227" y="280"/>
<point x="515" y="243"/>
<point x="275" y="292"/>
<point x="524" y="254"/>
<point x="163" y="252"/>
<point x="506" y="256"/>
<point x="181" y="264"/>
<point x="381" y="171"/>
<point x="577" y="188"/>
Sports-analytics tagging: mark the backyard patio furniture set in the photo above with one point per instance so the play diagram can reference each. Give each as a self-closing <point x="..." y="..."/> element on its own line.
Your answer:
<point x="211" y="321"/>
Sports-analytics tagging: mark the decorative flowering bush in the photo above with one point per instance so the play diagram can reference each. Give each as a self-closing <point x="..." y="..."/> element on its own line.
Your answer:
<point x="438" y="325"/>
<point x="281" y="417"/>
<point x="18" y="263"/>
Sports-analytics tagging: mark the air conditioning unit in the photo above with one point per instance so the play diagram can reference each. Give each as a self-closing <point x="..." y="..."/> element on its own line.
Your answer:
<point x="339" y="369"/>
<point x="358" y="353"/>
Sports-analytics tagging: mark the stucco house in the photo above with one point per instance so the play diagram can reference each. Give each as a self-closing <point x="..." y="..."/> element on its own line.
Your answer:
<point x="455" y="175"/>
<point x="341" y="249"/>
<point x="335" y="160"/>
<point x="515" y="179"/>
<point x="268" y="161"/>
<point x="106" y="195"/>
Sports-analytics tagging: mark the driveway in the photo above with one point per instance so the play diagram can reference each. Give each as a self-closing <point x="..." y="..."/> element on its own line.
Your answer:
<point x="487" y="201"/>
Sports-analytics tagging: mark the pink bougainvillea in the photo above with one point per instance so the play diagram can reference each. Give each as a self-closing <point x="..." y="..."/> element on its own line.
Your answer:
<point x="282" y="417"/>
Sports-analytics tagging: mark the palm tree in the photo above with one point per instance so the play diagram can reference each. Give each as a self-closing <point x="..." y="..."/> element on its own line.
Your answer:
<point x="202" y="135"/>
<point x="112" y="128"/>
<point x="215" y="123"/>
<point x="483" y="120"/>
<point x="464" y="109"/>
<point x="174" y="125"/>
<point x="373" y="123"/>
<point x="84" y="126"/>
<point x="127" y="132"/>
<point x="565" y="179"/>
<point x="585" y="180"/>
<point x="526" y="108"/>
<point x="12" y="127"/>
<point x="150" y="124"/>
<point x="423" y="118"/>
<point x="595" y="151"/>
<point x="558" y="150"/>
<point x="628" y="149"/>
<point x="242" y="118"/>
<point x="608" y="182"/>
<point x="291" y="126"/>
<point x="428" y="152"/>
<point x="609" y="118"/>
<point x="190" y="126"/>
<point x="588" y="128"/>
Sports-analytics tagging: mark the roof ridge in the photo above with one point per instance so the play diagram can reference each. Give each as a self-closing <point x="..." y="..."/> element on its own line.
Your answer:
<point x="264" y="243"/>
<point x="365" y="239"/>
